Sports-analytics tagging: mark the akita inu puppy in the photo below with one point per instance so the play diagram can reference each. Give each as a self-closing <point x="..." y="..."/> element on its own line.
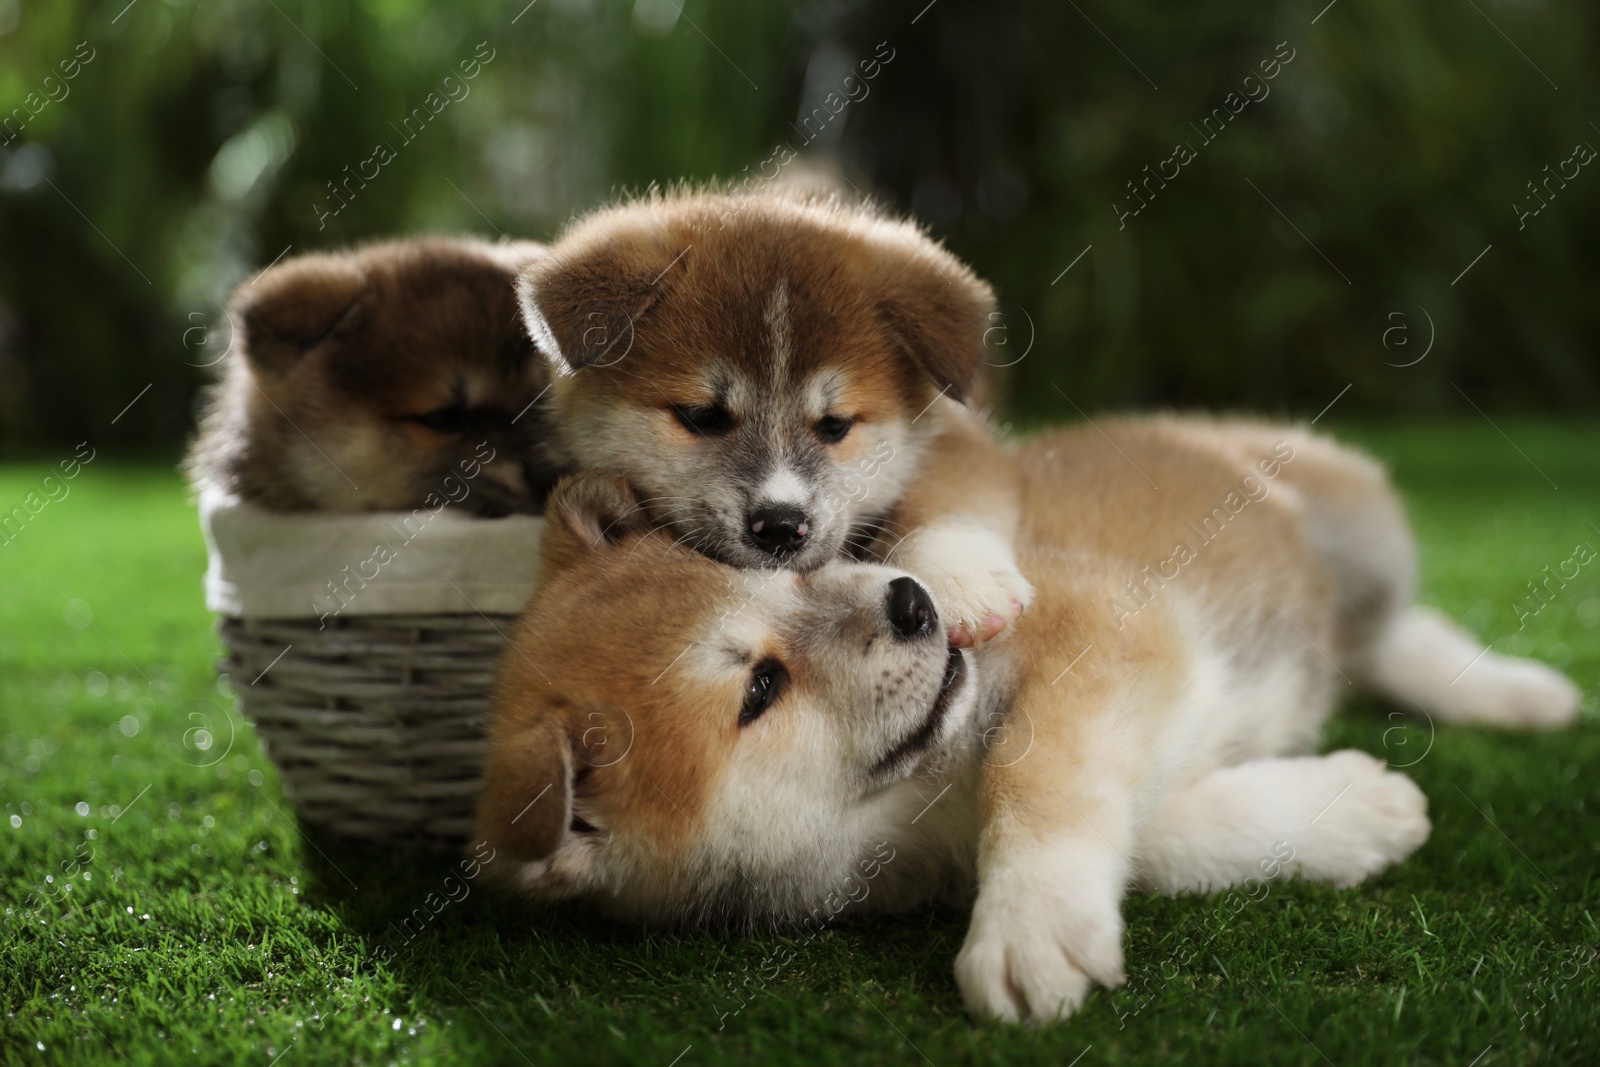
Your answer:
<point x="360" y="380"/>
<point x="770" y="369"/>
<point x="681" y="741"/>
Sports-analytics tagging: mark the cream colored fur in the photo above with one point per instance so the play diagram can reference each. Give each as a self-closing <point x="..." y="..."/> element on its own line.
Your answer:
<point x="1202" y="594"/>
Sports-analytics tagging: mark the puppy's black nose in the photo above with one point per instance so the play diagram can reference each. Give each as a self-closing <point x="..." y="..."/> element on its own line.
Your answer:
<point x="911" y="610"/>
<point x="779" y="530"/>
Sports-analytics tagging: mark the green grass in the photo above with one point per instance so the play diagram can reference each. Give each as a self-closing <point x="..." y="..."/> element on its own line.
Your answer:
<point x="200" y="925"/>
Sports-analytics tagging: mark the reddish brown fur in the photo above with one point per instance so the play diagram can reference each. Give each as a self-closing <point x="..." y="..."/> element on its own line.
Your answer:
<point x="336" y="354"/>
<point x="604" y="625"/>
<point x="763" y="305"/>
<point x="691" y="274"/>
<point x="563" y="703"/>
<point x="1160" y="742"/>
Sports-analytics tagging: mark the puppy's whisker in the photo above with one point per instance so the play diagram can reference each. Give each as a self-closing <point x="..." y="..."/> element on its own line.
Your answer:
<point x="680" y="540"/>
<point x="666" y="522"/>
<point x="683" y="512"/>
<point x="901" y="543"/>
<point x="875" y="555"/>
<point x="890" y="526"/>
<point x="654" y="499"/>
<point x="688" y="535"/>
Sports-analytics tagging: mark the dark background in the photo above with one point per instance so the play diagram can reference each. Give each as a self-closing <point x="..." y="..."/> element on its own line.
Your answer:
<point x="1318" y="242"/>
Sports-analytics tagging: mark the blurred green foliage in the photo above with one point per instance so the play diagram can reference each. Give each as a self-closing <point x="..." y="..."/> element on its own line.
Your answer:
<point x="199" y="139"/>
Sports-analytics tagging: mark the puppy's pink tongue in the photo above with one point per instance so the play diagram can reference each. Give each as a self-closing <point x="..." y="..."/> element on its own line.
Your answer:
<point x="960" y="637"/>
<point x="991" y="626"/>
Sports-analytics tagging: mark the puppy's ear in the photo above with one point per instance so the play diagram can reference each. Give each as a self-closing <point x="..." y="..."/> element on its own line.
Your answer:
<point x="590" y="512"/>
<point x="292" y="308"/>
<point x="581" y="304"/>
<point x="934" y="307"/>
<point x="526" y="805"/>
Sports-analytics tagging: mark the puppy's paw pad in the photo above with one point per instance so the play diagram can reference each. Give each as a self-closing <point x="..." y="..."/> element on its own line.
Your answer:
<point x="972" y="574"/>
<point x="978" y="604"/>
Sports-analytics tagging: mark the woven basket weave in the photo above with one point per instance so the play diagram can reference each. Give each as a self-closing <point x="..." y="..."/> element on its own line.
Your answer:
<point x="371" y="696"/>
<point x="376" y="722"/>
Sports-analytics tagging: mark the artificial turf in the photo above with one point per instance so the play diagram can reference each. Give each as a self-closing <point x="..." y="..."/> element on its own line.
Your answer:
<point x="161" y="905"/>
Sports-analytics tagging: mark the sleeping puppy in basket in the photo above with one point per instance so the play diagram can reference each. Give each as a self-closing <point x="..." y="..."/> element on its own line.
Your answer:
<point x="771" y="369"/>
<point x="683" y="742"/>
<point x="361" y="380"/>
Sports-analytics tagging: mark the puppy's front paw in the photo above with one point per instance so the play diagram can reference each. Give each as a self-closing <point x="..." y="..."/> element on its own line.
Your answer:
<point x="1036" y="946"/>
<point x="972" y="574"/>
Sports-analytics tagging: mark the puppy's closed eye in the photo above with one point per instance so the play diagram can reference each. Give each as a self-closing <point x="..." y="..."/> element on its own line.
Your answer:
<point x="450" y="419"/>
<point x="831" y="429"/>
<point x="708" y="420"/>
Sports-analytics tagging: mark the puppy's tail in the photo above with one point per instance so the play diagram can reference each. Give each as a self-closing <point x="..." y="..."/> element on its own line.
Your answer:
<point x="1426" y="660"/>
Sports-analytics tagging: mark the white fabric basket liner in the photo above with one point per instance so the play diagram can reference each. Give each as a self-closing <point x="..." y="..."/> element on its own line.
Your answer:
<point x="269" y="565"/>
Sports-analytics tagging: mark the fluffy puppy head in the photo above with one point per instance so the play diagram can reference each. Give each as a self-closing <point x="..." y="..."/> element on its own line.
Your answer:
<point x="756" y="364"/>
<point x="675" y="739"/>
<point x="363" y="380"/>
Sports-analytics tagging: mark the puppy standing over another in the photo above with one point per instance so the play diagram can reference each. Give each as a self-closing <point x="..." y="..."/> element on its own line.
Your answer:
<point x="673" y="745"/>
<point x="359" y="380"/>
<point x="771" y="369"/>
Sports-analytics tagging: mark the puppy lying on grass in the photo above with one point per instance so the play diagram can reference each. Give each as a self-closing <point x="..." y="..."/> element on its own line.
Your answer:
<point x="358" y="381"/>
<point x="680" y="741"/>
<point x="771" y="369"/>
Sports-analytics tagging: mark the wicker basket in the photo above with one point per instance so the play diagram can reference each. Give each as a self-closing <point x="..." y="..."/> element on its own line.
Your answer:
<point x="375" y="718"/>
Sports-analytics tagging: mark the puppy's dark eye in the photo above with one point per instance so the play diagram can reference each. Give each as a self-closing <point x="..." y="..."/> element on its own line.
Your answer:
<point x="709" y="420"/>
<point x="766" y="681"/>
<point x="832" y="429"/>
<point x="443" y="420"/>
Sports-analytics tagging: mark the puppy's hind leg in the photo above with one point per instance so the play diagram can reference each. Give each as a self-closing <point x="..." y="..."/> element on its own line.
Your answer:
<point x="1337" y="819"/>
<point x="1423" y="658"/>
<point x="1409" y="654"/>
